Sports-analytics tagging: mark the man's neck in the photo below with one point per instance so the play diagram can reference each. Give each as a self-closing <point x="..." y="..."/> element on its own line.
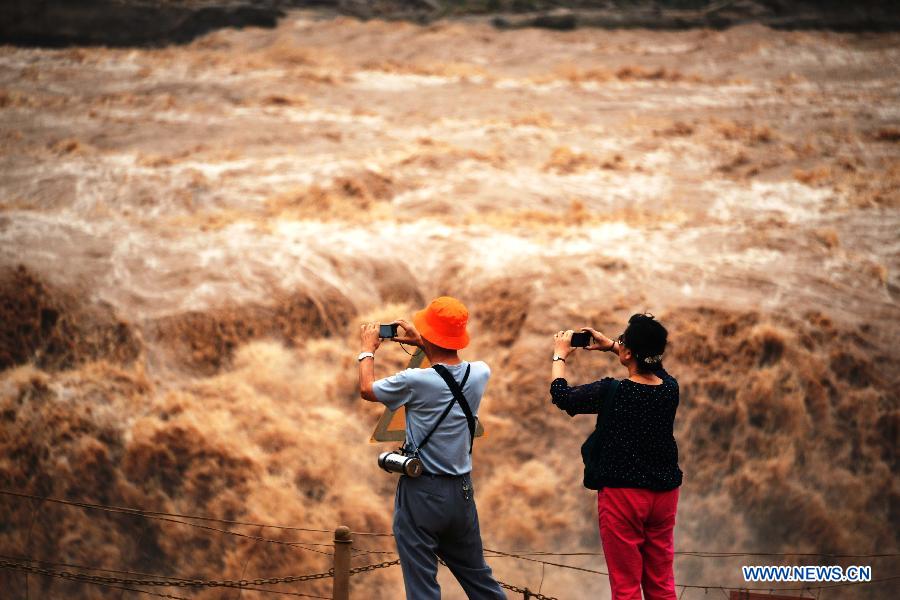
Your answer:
<point x="445" y="358"/>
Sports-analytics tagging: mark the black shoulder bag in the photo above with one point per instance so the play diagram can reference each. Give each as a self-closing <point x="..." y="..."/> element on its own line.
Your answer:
<point x="456" y="390"/>
<point x="590" y="450"/>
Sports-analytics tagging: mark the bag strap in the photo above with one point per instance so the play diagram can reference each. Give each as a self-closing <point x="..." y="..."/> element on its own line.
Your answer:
<point x="591" y="449"/>
<point x="445" y="375"/>
<point x="458" y="396"/>
<point x="607" y="399"/>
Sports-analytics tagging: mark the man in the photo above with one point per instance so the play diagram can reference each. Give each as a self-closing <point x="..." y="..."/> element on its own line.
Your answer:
<point x="434" y="514"/>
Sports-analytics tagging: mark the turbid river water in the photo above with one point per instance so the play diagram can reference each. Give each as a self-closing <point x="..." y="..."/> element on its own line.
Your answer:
<point x="190" y="236"/>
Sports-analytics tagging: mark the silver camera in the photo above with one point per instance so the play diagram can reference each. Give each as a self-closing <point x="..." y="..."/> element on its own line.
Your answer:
<point x="397" y="462"/>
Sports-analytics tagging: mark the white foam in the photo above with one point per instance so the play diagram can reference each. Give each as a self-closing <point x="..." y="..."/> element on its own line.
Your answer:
<point x="793" y="201"/>
<point x="385" y="81"/>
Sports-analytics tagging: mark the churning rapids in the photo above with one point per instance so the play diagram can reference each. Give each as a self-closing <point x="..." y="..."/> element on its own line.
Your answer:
<point x="190" y="236"/>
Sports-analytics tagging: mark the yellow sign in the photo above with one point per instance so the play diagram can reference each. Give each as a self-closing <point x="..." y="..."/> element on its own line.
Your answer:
<point x="391" y="427"/>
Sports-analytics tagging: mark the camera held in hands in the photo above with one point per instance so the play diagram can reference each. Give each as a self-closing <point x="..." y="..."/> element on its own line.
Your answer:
<point x="387" y="331"/>
<point x="401" y="461"/>
<point x="581" y="340"/>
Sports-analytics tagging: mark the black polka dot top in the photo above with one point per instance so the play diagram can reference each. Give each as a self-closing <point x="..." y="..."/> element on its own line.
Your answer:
<point x="636" y="446"/>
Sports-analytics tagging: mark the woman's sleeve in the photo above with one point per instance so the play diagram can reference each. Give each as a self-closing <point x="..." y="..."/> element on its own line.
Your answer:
<point x="580" y="399"/>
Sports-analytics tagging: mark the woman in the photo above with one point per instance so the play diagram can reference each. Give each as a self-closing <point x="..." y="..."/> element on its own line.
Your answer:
<point x="631" y="459"/>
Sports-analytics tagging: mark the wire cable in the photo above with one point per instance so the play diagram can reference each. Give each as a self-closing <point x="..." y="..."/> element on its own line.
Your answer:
<point x="715" y="554"/>
<point x="790" y="589"/>
<point x="704" y="587"/>
<point x="140" y="511"/>
<point x="166" y="517"/>
<point x="520" y="555"/>
<point x="154" y="513"/>
<point x="498" y="553"/>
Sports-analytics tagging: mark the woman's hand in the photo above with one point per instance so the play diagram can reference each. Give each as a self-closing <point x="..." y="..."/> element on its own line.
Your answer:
<point x="562" y="343"/>
<point x="410" y="335"/>
<point x="368" y="337"/>
<point x="601" y="342"/>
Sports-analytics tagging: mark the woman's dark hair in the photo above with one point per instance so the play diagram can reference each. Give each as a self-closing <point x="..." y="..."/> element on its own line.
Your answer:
<point x="646" y="338"/>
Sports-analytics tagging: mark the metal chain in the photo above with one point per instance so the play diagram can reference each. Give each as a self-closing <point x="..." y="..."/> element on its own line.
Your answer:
<point x="149" y="593"/>
<point x="367" y="568"/>
<point x="390" y="563"/>
<point x="513" y="588"/>
<point x="179" y="583"/>
<point x="525" y="592"/>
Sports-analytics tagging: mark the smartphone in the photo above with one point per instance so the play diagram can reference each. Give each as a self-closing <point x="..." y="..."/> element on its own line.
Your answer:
<point x="581" y="340"/>
<point x="387" y="331"/>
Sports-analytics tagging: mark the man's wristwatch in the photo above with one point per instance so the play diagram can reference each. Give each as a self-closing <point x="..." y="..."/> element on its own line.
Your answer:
<point x="557" y="357"/>
<point x="364" y="355"/>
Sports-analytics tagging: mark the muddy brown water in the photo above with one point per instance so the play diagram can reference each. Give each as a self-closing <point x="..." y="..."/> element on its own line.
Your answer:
<point x="190" y="236"/>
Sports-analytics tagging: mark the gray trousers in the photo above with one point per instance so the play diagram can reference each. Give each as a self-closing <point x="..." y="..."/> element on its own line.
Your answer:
<point x="435" y="517"/>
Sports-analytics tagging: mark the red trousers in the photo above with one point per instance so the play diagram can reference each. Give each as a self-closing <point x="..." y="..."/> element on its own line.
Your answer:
<point x="636" y="529"/>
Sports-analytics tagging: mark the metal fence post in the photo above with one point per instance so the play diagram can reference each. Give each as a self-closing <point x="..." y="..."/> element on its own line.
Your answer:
<point x="343" y="544"/>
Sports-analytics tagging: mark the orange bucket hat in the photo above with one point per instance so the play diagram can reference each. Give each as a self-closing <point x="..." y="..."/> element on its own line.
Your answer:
<point x="443" y="323"/>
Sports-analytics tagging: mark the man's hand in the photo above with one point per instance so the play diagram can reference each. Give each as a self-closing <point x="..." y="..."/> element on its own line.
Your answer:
<point x="369" y="342"/>
<point x="562" y="343"/>
<point x="368" y="337"/>
<point x="410" y="335"/>
<point x="601" y="342"/>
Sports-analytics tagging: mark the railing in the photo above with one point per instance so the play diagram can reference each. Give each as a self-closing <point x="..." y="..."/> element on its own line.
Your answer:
<point x="342" y="553"/>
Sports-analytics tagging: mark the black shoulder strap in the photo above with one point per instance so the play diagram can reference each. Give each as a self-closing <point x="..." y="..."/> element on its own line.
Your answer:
<point x="446" y="375"/>
<point x="607" y="399"/>
<point x="592" y="449"/>
<point x="458" y="396"/>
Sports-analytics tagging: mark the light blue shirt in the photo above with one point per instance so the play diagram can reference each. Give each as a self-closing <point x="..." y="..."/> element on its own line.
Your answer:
<point x="425" y="395"/>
